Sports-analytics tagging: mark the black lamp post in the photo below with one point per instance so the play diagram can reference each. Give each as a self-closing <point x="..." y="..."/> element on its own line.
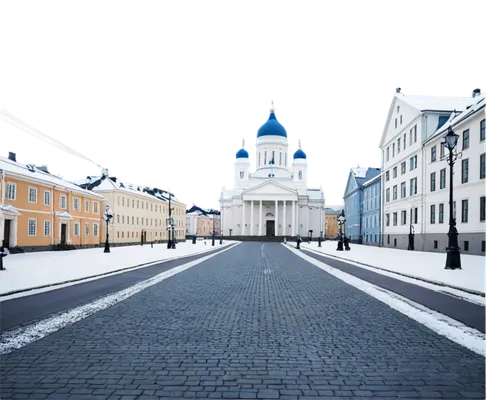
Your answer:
<point x="411" y="238"/>
<point x="341" y="221"/>
<point x="213" y="230"/>
<point x="452" y="251"/>
<point x="220" y="223"/>
<point x="108" y="216"/>
<point x="320" y="227"/>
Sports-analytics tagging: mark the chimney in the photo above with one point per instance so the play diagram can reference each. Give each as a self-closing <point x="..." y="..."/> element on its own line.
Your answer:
<point x="12" y="156"/>
<point x="476" y="92"/>
<point x="105" y="172"/>
<point x="44" y="168"/>
<point x="398" y="90"/>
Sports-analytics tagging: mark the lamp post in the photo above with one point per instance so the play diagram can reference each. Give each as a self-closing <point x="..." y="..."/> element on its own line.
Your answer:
<point x="320" y="226"/>
<point x="108" y="216"/>
<point x="170" y="226"/>
<point x="213" y="230"/>
<point x="220" y="223"/>
<point x="341" y="221"/>
<point x="452" y="251"/>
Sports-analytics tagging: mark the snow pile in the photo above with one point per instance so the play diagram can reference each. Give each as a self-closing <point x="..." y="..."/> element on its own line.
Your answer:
<point x="418" y="264"/>
<point x="20" y="337"/>
<point x="32" y="270"/>
<point x="439" y="323"/>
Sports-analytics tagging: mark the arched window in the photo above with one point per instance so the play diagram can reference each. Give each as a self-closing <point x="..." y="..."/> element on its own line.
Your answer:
<point x="265" y="158"/>
<point x="300" y="174"/>
<point x="280" y="157"/>
<point x="242" y="174"/>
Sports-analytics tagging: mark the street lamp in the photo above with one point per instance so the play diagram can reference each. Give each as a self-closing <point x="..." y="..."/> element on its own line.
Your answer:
<point x="213" y="230"/>
<point x="341" y="221"/>
<point x="320" y="226"/>
<point x="452" y="251"/>
<point x="108" y="216"/>
<point x="171" y="227"/>
<point x="220" y="223"/>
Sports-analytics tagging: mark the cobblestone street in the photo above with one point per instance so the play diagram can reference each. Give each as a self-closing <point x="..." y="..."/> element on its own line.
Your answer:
<point x="254" y="322"/>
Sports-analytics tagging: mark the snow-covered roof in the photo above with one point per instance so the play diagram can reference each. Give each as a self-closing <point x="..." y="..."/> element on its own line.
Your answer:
<point x="31" y="172"/>
<point x="457" y="117"/>
<point x="370" y="181"/>
<point x="359" y="172"/>
<point x="436" y="103"/>
<point x="315" y="194"/>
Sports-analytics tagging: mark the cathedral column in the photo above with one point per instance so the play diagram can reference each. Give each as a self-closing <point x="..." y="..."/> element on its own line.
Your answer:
<point x="260" y="219"/>
<point x="276" y="218"/>
<point x="293" y="219"/>
<point x="243" y="220"/>
<point x="251" y="218"/>
<point x="284" y="217"/>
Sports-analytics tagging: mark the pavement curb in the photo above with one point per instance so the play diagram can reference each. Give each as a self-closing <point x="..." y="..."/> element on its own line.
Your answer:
<point x="470" y="291"/>
<point x="109" y="272"/>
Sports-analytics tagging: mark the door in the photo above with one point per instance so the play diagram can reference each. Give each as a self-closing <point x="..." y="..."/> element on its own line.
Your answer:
<point x="269" y="228"/>
<point x="6" y="233"/>
<point x="63" y="234"/>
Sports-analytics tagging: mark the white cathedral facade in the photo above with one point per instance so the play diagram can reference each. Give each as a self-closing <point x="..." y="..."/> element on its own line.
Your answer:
<point x="274" y="200"/>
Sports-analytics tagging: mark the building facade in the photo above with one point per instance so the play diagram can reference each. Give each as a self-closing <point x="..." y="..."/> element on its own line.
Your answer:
<point x="353" y="201"/>
<point x="140" y="213"/>
<point x="274" y="200"/>
<point x="370" y="211"/>
<point x="331" y="223"/>
<point x="202" y="223"/>
<point x="405" y="180"/>
<point x="40" y="211"/>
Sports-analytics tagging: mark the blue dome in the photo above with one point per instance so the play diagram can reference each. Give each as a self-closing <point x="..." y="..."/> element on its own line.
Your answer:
<point x="299" y="154"/>
<point x="272" y="127"/>
<point x="242" y="153"/>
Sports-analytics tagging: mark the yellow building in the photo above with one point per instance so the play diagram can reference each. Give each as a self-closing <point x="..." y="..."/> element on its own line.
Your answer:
<point x="140" y="213"/>
<point x="331" y="223"/>
<point x="40" y="211"/>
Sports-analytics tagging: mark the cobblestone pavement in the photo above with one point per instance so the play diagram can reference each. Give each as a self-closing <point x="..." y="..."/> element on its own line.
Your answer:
<point x="254" y="322"/>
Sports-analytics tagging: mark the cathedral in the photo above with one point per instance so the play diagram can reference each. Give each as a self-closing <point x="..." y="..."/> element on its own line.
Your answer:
<point x="274" y="200"/>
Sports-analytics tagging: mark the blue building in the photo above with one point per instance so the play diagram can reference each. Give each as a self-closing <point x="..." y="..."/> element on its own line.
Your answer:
<point x="353" y="201"/>
<point x="370" y="211"/>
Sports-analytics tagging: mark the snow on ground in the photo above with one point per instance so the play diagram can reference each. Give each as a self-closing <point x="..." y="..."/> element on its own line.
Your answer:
<point x="419" y="264"/>
<point x="25" y="335"/>
<point x="31" y="270"/>
<point x="439" y="323"/>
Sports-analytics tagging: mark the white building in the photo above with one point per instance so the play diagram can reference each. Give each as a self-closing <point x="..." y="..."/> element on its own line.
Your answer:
<point x="274" y="200"/>
<point x="414" y="125"/>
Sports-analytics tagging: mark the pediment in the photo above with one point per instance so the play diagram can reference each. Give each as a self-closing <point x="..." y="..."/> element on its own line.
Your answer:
<point x="270" y="190"/>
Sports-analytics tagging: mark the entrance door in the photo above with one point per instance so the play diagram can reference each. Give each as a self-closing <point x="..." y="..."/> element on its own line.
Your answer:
<point x="269" y="228"/>
<point x="6" y="233"/>
<point x="63" y="234"/>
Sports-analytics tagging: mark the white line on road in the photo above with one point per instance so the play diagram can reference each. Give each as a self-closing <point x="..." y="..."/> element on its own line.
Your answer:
<point x="443" y="325"/>
<point x="17" y="338"/>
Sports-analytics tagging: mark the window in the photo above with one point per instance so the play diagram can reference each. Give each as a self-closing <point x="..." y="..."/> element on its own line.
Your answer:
<point x="77" y="228"/>
<point x="395" y="192"/>
<point x="33" y="194"/>
<point x="416" y="215"/>
<point x="96" y="208"/>
<point x="46" y="228"/>
<point x="441" y="213"/>
<point x="142" y="202"/>
<point x="387" y="219"/>
<point x="403" y="167"/>
<point x="259" y="163"/>
<point x="387" y="176"/>
<point x="142" y="220"/>
<point x="46" y="198"/>
<point x="11" y="191"/>
<point x="442" y="178"/>
<point x="465" y="170"/>
<point x="483" y="246"/>
<point x="403" y="190"/>
<point x="433" y="214"/>
<point x="442" y="120"/>
<point x="433" y="182"/>
<point x="395" y="122"/>
<point x="387" y="195"/>
<point x="128" y="219"/>
<point x="87" y="229"/>
<point x="87" y="205"/>
<point x="265" y="158"/>
<point x="441" y="150"/>
<point x="128" y="202"/>
<point x="272" y="159"/>
<point x="300" y="174"/>
<point x="388" y="239"/>
<point x="280" y="157"/>
<point x="403" y="217"/>
<point x="395" y="172"/>
<point x="400" y="119"/>
<point x="465" y="140"/>
<point x="393" y="149"/>
<point x="413" y="186"/>
<point x="62" y="202"/>
<point x="482" y="163"/>
<point x="387" y="154"/>
<point x="466" y="245"/>
<point x="147" y="206"/>
<point x="394" y="218"/>
<point x="404" y="141"/>
<point x="398" y="109"/>
<point x="433" y="153"/>
<point x="76" y="203"/>
<point x="482" y="208"/>
<point x="411" y="136"/>
<point x="465" y="211"/>
<point x="483" y="130"/>
<point x="435" y="244"/>
<point x="399" y="145"/>
<point x="415" y="134"/>
<point x="132" y="220"/>
<point x="133" y="203"/>
<point x="32" y="227"/>
<point x="96" y="229"/>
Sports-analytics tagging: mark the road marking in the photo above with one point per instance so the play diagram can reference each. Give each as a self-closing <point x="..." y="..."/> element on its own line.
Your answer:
<point x="20" y="337"/>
